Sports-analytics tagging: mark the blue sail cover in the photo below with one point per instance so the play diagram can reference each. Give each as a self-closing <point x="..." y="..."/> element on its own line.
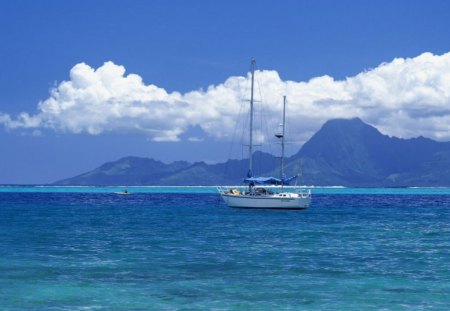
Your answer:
<point x="269" y="180"/>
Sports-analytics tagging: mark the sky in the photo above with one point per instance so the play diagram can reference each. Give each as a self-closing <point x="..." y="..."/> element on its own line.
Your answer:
<point x="87" y="82"/>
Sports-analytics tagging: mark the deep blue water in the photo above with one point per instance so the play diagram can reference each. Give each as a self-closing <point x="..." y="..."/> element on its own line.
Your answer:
<point x="172" y="249"/>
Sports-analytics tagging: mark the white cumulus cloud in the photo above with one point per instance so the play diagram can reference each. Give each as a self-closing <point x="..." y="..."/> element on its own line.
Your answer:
<point x="405" y="97"/>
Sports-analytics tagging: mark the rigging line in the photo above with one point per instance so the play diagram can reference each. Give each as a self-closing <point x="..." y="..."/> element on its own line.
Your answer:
<point x="291" y="149"/>
<point x="258" y="111"/>
<point x="266" y="122"/>
<point x="233" y="139"/>
<point x="266" y="144"/>
<point x="245" y="122"/>
<point x="287" y="145"/>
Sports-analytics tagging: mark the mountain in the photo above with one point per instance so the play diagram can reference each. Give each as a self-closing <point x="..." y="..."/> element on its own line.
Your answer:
<point x="127" y="171"/>
<point x="353" y="153"/>
<point x="135" y="171"/>
<point x="343" y="152"/>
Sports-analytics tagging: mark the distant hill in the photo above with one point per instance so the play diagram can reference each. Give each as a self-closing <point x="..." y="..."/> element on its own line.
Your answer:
<point x="135" y="171"/>
<point x="353" y="153"/>
<point x="343" y="152"/>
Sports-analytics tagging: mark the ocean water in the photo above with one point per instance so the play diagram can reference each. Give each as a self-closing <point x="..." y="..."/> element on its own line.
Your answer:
<point x="181" y="248"/>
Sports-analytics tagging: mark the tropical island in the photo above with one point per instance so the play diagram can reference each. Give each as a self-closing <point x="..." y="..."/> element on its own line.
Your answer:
<point x="344" y="152"/>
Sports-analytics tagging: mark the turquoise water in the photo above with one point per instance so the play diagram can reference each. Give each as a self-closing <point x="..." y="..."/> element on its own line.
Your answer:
<point x="213" y="190"/>
<point x="181" y="248"/>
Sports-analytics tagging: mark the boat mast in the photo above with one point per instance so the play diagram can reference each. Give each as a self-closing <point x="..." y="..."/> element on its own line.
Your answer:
<point x="250" y="148"/>
<point x="282" y="141"/>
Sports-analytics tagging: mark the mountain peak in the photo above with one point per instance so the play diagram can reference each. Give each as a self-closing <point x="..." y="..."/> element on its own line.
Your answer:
<point x="345" y="152"/>
<point x="340" y="134"/>
<point x="351" y="152"/>
<point x="348" y="125"/>
<point x="354" y="121"/>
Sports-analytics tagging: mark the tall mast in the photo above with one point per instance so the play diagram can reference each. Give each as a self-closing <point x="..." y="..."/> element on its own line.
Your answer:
<point x="250" y="148"/>
<point x="282" y="140"/>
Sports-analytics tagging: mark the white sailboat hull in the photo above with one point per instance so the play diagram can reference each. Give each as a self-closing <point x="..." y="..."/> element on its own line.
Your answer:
<point x="257" y="197"/>
<point x="276" y="201"/>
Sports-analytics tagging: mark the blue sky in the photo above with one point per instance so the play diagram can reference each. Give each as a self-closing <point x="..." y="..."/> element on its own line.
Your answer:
<point x="191" y="48"/>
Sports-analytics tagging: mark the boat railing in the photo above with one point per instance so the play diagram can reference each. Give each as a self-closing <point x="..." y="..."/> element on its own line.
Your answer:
<point x="304" y="193"/>
<point x="243" y="190"/>
<point x="232" y="189"/>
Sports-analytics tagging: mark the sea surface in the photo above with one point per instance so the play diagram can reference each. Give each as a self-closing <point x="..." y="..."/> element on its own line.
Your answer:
<point x="181" y="248"/>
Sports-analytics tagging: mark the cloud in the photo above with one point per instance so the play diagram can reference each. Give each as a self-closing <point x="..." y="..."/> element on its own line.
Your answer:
<point x="405" y="97"/>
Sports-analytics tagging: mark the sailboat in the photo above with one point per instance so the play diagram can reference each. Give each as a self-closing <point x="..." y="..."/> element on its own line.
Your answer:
<point x="260" y="192"/>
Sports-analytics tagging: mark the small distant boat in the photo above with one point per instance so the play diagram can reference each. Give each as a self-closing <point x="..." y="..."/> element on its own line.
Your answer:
<point x="261" y="193"/>
<point x="125" y="192"/>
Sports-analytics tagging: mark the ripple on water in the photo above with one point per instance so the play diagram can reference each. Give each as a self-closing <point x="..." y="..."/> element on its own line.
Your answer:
<point x="69" y="251"/>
